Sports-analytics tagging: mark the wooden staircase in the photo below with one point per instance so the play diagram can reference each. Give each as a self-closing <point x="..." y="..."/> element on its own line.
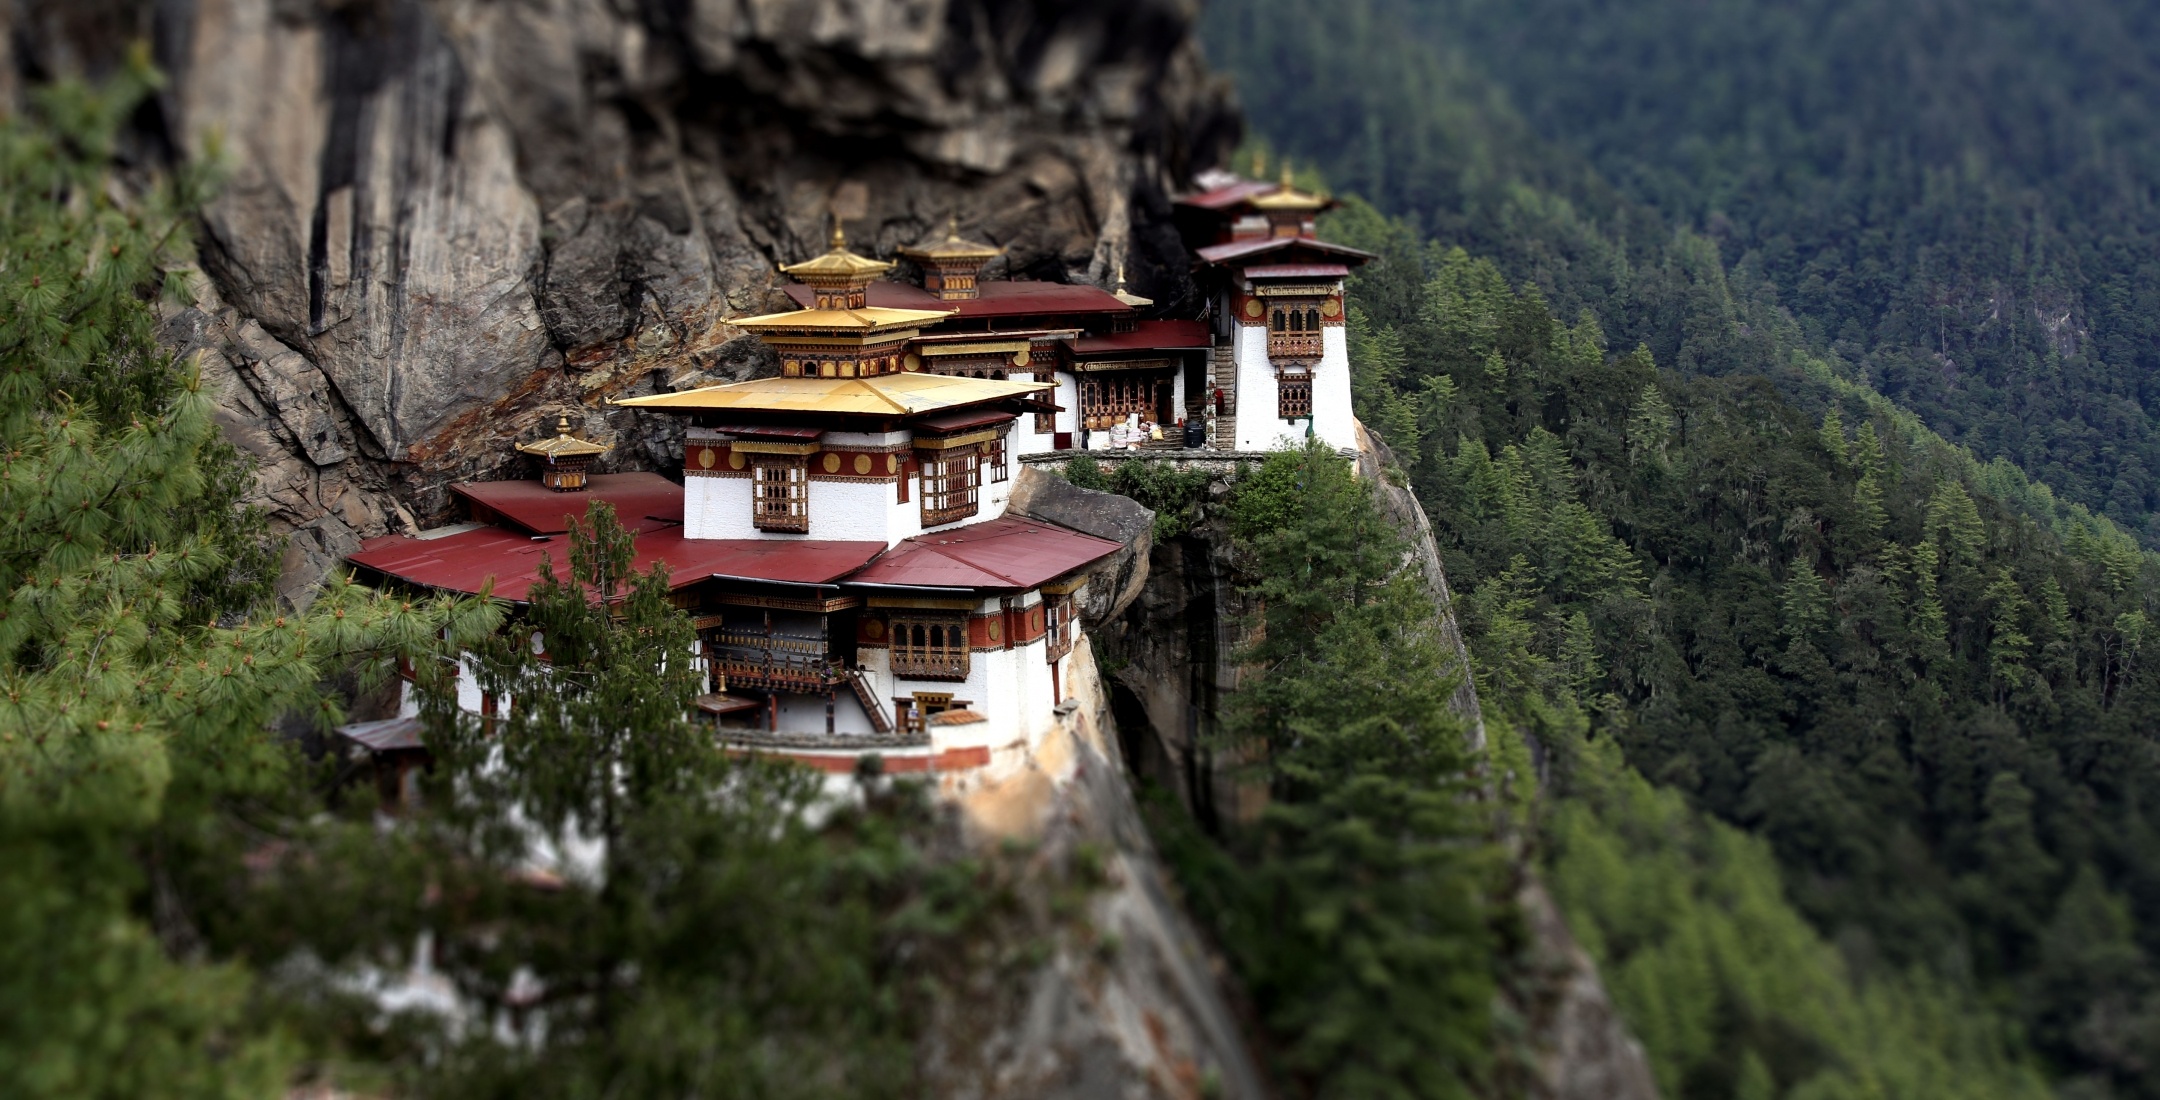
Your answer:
<point x="1222" y="375"/>
<point x="880" y="719"/>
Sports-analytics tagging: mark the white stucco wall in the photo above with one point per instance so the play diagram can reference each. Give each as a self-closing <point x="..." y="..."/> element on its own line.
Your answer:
<point x="719" y="508"/>
<point x="1258" y="428"/>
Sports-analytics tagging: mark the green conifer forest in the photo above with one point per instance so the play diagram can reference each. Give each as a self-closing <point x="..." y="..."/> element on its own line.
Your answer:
<point x="1774" y="378"/>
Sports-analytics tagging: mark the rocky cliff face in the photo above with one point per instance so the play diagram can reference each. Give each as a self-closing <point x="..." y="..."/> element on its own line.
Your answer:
<point x="447" y="221"/>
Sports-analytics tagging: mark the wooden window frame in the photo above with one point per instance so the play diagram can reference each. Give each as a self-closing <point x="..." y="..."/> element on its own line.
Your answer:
<point x="999" y="460"/>
<point x="1057" y="625"/>
<point x="789" y="509"/>
<point x="951" y="485"/>
<point x="1293" y="395"/>
<point x="929" y="647"/>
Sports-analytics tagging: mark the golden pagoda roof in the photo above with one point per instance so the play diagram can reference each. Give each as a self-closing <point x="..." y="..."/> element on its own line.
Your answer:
<point x="954" y="247"/>
<point x="1286" y="196"/>
<point x="838" y="265"/>
<point x="868" y="319"/>
<point x="884" y="395"/>
<point x="564" y="445"/>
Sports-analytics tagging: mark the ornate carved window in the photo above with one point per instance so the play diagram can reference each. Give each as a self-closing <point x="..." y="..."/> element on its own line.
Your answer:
<point x="780" y="493"/>
<point x="951" y="484"/>
<point x="1294" y="330"/>
<point x="1000" y="468"/>
<point x="930" y="647"/>
<point x="1058" y="625"/>
<point x="1293" y="395"/>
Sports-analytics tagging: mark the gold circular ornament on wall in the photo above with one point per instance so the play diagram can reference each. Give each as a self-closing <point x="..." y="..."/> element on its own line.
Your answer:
<point x="862" y="464"/>
<point x="1252" y="308"/>
<point x="705" y="458"/>
<point x="913" y="362"/>
<point x="875" y="628"/>
<point x="892" y="464"/>
<point x="1331" y="308"/>
<point x="1020" y="358"/>
<point x="734" y="460"/>
<point x="997" y="631"/>
<point x="832" y="463"/>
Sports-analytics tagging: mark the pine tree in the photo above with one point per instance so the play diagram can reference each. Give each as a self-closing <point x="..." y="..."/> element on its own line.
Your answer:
<point x="1832" y="436"/>
<point x="2008" y="644"/>
<point x="140" y="662"/>
<point x="1649" y="428"/>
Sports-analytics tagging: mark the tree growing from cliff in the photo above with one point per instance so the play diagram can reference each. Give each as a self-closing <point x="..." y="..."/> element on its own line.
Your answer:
<point x="140" y="664"/>
<point x="1361" y="908"/>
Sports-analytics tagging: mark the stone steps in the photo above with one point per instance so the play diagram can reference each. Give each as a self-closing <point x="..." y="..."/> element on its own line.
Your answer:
<point x="1222" y="374"/>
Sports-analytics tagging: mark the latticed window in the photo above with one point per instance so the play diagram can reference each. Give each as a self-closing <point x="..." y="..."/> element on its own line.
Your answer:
<point x="951" y="482"/>
<point x="1293" y="396"/>
<point x="930" y="647"/>
<point x="780" y="495"/>
<point x="1000" y="469"/>
<point x="1106" y="400"/>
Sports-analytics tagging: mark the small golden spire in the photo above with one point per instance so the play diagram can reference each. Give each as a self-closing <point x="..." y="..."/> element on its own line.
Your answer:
<point x="1286" y="173"/>
<point x="952" y="227"/>
<point x="562" y="425"/>
<point x="1259" y="161"/>
<point x="839" y="238"/>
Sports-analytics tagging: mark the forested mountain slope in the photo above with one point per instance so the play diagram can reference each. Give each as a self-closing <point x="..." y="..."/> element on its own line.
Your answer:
<point x="1953" y="201"/>
<point x="1780" y="645"/>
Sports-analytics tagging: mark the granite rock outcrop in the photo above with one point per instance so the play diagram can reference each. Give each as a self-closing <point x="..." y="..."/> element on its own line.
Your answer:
<point x="446" y="222"/>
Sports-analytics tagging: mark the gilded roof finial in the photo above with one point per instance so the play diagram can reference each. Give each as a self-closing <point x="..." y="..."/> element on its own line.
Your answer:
<point x="562" y="424"/>
<point x="1126" y="296"/>
<point x="1259" y="161"/>
<point x="839" y="238"/>
<point x="952" y="227"/>
<point x="1286" y="182"/>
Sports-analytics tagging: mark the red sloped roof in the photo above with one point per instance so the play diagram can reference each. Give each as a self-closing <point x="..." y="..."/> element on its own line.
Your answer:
<point x="1008" y="299"/>
<point x="466" y="561"/>
<point x="1148" y="336"/>
<point x="1229" y="195"/>
<point x="542" y="511"/>
<point x="1297" y="271"/>
<point x="1314" y="251"/>
<point x="1007" y="552"/>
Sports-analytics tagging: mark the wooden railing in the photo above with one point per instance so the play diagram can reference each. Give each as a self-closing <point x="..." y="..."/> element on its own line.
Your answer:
<point x="1293" y="345"/>
<point x="773" y="661"/>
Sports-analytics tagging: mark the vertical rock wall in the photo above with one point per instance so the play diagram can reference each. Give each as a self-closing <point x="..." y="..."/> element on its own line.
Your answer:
<point x="446" y="221"/>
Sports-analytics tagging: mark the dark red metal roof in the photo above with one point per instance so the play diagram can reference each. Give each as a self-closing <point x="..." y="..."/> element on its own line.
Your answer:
<point x="467" y="561"/>
<point x="1297" y="271"/>
<point x="1010" y="299"/>
<point x="963" y="420"/>
<point x="542" y="511"/>
<point x="1311" y="251"/>
<point x="1229" y="195"/>
<point x="1007" y="552"/>
<point x="1148" y="336"/>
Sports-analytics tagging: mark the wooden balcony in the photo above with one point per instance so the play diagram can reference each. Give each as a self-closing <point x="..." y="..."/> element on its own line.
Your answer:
<point x="1293" y="345"/>
<point x="774" y="662"/>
